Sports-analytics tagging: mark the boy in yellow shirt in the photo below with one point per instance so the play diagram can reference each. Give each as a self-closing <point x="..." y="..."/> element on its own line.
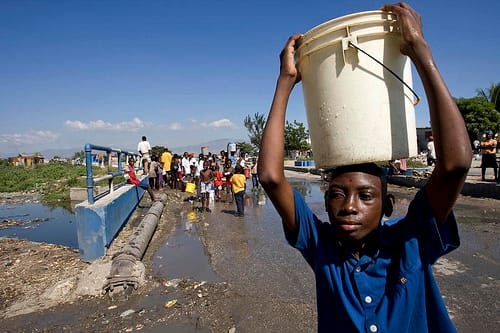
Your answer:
<point x="238" y="181"/>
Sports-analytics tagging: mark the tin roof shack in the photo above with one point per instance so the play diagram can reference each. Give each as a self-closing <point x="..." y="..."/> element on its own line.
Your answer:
<point x="27" y="161"/>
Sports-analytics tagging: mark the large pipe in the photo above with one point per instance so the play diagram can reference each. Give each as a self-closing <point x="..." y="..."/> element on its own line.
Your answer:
<point x="125" y="270"/>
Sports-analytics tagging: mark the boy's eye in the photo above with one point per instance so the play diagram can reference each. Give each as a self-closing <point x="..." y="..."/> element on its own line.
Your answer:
<point x="336" y="194"/>
<point x="365" y="196"/>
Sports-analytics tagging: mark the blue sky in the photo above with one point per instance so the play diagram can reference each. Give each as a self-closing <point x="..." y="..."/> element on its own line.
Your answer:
<point x="188" y="72"/>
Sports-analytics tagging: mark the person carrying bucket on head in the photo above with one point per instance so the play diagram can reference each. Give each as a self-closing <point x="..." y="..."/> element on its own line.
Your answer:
<point x="374" y="275"/>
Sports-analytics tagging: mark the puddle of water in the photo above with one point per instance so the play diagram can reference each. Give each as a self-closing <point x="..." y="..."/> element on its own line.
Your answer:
<point x="183" y="255"/>
<point x="54" y="225"/>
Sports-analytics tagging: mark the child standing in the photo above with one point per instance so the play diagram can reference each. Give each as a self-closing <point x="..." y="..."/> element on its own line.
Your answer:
<point x="217" y="182"/>
<point x="255" y="177"/>
<point x="238" y="181"/>
<point x="374" y="275"/>
<point x="152" y="172"/>
<point x="174" y="175"/>
<point x="228" y="173"/>
<point x="206" y="184"/>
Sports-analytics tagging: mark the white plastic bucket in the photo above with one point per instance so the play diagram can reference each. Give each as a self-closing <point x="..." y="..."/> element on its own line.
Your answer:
<point x="231" y="147"/>
<point x="357" y="111"/>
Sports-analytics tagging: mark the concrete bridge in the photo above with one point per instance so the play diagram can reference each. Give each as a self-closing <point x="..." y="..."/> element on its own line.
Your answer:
<point x="102" y="216"/>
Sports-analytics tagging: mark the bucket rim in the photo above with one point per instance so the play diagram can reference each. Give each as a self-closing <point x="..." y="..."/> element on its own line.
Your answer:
<point x="391" y="17"/>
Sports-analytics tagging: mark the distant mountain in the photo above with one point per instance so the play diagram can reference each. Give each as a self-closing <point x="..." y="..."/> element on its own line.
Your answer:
<point x="214" y="146"/>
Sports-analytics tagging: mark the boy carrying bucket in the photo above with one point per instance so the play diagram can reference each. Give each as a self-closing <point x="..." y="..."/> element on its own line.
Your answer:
<point x="374" y="276"/>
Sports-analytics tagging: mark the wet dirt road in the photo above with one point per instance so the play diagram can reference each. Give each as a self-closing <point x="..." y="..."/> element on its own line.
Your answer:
<point x="229" y="274"/>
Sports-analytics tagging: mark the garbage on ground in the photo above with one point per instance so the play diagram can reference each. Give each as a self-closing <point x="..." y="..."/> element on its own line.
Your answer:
<point x="171" y="283"/>
<point x="126" y="313"/>
<point x="171" y="303"/>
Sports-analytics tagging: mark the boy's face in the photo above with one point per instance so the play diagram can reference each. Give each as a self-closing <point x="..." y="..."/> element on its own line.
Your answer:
<point x="354" y="204"/>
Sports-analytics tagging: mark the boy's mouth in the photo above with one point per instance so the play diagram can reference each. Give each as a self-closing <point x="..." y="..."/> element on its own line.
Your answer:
<point x="349" y="227"/>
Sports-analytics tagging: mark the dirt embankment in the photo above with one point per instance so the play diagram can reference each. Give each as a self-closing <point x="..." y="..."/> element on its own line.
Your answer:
<point x="34" y="275"/>
<point x="39" y="276"/>
<point x="31" y="273"/>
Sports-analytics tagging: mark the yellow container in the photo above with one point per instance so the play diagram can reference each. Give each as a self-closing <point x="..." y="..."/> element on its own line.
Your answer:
<point x="190" y="187"/>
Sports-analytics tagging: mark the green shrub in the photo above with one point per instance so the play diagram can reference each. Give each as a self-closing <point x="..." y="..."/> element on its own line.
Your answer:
<point x="53" y="180"/>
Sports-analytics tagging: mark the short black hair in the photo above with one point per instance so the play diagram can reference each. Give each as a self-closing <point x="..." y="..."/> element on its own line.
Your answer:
<point x="369" y="168"/>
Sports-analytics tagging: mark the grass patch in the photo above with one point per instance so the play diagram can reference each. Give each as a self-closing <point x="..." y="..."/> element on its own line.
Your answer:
<point x="52" y="180"/>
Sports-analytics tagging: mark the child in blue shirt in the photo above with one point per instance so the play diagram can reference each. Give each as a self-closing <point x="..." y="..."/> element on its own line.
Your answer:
<point x="374" y="276"/>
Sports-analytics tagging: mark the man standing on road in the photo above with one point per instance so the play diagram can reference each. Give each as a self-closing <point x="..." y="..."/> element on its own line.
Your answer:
<point x="431" y="152"/>
<point x="144" y="149"/>
<point x="489" y="160"/>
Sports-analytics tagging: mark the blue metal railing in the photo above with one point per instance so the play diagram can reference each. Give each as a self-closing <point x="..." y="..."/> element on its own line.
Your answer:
<point x="91" y="180"/>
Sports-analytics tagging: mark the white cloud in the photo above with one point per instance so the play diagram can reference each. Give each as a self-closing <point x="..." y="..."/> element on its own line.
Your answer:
<point x="175" y="127"/>
<point x="137" y="124"/>
<point x="133" y="125"/>
<point x="33" y="137"/>
<point x="220" y="123"/>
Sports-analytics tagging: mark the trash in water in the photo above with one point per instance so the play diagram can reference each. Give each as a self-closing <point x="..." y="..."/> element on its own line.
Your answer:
<point x="171" y="283"/>
<point x="171" y="303"/>
<point x="195" y="286"/>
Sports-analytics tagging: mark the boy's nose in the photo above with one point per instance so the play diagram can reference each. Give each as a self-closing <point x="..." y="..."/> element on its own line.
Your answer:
<point x="349" y="204"/>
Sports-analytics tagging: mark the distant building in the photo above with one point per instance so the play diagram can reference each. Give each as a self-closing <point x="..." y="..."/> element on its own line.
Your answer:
<point x="26" y="161"/>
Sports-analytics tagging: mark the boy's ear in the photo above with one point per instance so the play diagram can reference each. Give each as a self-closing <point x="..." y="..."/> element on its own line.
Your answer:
<point x="326" y="199"/>
<point x="389" y="202"/>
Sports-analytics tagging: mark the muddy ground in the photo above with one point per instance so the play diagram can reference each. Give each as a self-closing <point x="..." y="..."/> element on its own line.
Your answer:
<point x="39" y="285"/>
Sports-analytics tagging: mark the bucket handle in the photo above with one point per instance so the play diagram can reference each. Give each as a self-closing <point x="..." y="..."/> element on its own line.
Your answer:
<point x="417" y="99"/>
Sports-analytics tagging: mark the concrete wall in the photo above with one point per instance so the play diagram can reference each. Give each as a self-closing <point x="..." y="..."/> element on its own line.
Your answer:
<point x="99" y="223"/>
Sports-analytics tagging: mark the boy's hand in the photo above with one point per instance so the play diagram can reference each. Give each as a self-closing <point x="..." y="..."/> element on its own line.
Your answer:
<point x="288" y="69"/>
<point x="410" y="25"/>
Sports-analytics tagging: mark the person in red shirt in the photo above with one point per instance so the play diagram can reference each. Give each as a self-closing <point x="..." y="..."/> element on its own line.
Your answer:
<point x="132" y="178"/>
<point x="218" y="182"/>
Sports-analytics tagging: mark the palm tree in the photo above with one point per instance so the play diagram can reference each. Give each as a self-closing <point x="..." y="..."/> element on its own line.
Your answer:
<point x="491" y="94"/>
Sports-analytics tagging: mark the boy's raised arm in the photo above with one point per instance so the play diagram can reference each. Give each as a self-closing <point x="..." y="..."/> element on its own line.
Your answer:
<point x="270" y="166"/>
<point x="453" y="151"/>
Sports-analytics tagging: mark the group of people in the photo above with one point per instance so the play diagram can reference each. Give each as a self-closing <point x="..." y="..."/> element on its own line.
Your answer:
<point x="225" y="174"/>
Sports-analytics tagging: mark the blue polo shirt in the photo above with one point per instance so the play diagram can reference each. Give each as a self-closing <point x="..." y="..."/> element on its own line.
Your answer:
<point x="392" y="291"/>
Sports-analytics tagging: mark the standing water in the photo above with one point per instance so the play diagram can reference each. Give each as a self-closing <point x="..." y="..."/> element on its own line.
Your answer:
<point x="39" y="223"/>
<point x="183" y="255"/>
